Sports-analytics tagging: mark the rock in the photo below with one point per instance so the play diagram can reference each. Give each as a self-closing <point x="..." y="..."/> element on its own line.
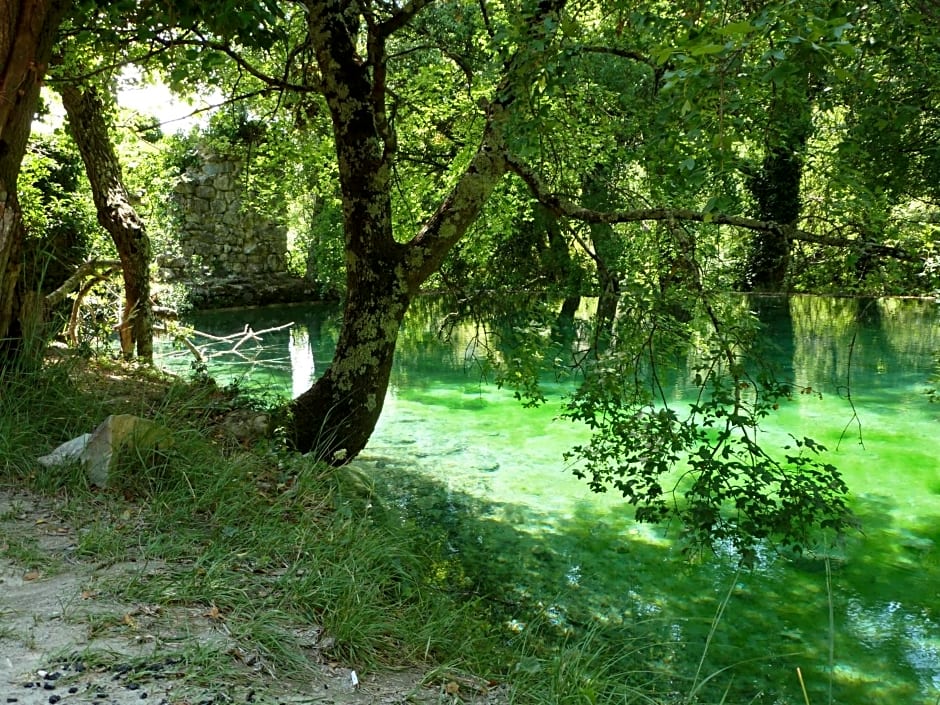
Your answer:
<point x="246" y="426"/>
<point x="97" y="450"/>
<point x="68" y="452"/>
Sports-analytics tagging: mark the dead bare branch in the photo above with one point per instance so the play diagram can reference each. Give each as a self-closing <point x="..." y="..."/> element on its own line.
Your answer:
<point x="202" y="352"/>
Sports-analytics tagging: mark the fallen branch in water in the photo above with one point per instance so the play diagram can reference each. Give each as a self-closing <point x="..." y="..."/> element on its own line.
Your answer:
<point x="200" y="351"/>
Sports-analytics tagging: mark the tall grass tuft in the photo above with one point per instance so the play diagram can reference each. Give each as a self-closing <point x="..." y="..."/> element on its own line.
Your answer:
<point x="39" y="409"/>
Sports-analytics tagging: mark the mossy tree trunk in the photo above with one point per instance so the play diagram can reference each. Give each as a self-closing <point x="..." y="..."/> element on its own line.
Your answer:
<point x="27" y="33"/>
<point x="775" y="185"/>
<point x="560" y="266"/>
<point x="608" y="250"/>
<point x="336" y="417"/>
<point x="89" y="128"/>
<point x="776" y="189"/>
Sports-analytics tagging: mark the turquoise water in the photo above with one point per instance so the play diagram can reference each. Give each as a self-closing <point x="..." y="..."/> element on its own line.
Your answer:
<point x="860" y="619"/>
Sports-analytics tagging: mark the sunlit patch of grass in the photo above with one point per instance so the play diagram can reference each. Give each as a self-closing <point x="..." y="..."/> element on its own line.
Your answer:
<point x="292" y="549"/>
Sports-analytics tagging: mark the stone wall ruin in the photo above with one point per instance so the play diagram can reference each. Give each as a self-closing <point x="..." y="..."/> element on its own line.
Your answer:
<point x="228" y="253"/>
<point x="218" y="234"/>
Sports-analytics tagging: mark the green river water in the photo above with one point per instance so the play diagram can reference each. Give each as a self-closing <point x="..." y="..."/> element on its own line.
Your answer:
<point x="861" y="619"/>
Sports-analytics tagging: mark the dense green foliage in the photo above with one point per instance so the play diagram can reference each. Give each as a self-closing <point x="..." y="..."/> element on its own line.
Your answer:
<point x="676" y="106"/>
<point x="665" y="153"/>
<point x="57" y="210"/>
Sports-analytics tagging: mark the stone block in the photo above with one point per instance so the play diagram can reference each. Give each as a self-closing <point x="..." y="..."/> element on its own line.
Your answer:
<point x="97" y="450"/>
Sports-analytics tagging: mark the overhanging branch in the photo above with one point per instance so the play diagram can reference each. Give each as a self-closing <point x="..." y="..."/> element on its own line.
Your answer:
<point x="636" y="56"/>
<point x="402" y="17"/>
<point x="244" y="64"/>
<point x="214" y="106"/>
<point x="565" y="208"/>
<point x="98" y="267"/>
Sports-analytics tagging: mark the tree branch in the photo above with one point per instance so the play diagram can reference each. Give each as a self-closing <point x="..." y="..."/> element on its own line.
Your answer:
<point x="562" y="207"/>
<point x="108" y="68"/>
<point x="228" y="101"/>
<point x="462" y="205"/>
<point x="378" y="60"/>
<point x="243" y="63"/>
<point x="401" y="18"/>
<point x="623" y="54"/>
<point x="98" y="267"/>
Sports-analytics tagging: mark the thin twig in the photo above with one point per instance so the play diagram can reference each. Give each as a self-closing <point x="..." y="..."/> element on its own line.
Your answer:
<point x="848" y="386"/>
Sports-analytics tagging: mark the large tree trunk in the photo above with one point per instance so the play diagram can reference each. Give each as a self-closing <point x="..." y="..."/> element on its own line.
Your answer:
<point x="27" y="33"/>
<point x="608" y="250"/>
<point x="116" y="215"/>
<point x="776" y="184"/>
<point x="336" y="417"/>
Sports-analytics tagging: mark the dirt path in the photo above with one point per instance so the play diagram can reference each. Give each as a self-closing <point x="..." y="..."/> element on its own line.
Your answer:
<point x="62" y="642"/>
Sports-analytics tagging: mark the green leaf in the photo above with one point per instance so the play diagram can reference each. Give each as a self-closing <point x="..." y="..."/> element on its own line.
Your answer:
<point x="662" y="55"/>
<point x="736" y="29"/>
<point x="839" y="29"/>
<point x="778" y="74"/>
<point x="705" y="49"/>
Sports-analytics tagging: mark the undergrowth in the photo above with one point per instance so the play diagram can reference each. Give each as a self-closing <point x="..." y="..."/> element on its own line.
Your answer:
<point x="275" y="548"/>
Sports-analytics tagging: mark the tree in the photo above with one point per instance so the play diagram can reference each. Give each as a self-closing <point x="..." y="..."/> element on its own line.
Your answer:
<point x="89" y="128"/>
<point x="27" y="35"/>
<point x="337" y="415"/>
<point x="775" y="185"/>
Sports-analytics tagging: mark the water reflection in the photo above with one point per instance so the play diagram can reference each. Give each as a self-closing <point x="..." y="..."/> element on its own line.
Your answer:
<point x="463" y="457"/>
<point x="879" y="625"/>
<point x="302" y="367"/>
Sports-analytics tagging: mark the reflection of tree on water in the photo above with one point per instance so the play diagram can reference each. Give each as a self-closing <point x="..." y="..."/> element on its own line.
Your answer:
<point x="810" y="341"/>
<point x="302" y="365"/>
<point x="886" y="342"/>
<point x="278" y="343"/>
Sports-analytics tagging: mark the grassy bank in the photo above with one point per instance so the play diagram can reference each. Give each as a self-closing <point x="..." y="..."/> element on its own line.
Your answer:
<point x="301" y="564"/>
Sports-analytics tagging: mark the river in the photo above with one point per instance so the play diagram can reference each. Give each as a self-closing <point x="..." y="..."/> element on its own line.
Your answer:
<point x="859" y="618"/>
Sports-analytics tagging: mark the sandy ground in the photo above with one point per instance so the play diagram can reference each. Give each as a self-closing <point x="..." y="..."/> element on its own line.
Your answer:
<point x="60" y="642"/>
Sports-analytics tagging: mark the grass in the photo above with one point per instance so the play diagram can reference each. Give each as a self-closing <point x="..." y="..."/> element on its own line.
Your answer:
<point x="271" y="545"/>
<point x="292" y="562"/>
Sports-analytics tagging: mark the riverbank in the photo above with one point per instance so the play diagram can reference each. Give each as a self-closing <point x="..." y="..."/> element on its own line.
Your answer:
<point x="69" y="636"/>
<point x="221" y="569"/>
